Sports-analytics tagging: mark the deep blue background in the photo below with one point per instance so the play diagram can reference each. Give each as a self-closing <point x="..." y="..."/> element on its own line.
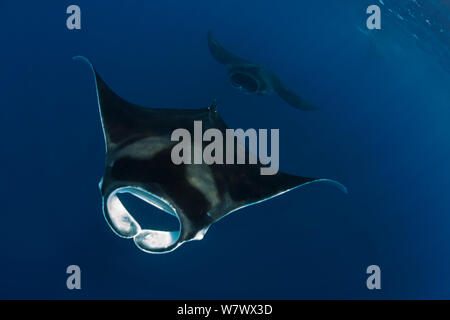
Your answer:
<point x="382" y="130"/>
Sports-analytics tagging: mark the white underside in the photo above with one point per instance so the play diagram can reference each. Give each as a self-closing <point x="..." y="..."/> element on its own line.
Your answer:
<point x="124" y="225"/>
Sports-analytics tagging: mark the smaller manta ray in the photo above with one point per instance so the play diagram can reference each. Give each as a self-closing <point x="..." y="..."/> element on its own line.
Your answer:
<point x="138" y="162"/>
<point x="252" y="78"/>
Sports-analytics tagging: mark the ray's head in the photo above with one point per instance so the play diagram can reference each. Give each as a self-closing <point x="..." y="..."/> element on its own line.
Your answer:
<point x="248" y="78"/>
<point x="244" y="82"/>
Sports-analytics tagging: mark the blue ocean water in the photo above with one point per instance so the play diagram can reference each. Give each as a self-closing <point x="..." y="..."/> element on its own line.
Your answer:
<point x="382" y="130"/>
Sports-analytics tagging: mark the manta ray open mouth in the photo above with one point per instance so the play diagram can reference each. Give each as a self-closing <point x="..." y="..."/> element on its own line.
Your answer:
<point x="244" y="82"/>
<point x="125" y="225"/>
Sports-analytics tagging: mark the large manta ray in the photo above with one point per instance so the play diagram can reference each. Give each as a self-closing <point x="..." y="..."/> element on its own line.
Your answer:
<point x="138" y="161"/>
<point x="252" y="78"/>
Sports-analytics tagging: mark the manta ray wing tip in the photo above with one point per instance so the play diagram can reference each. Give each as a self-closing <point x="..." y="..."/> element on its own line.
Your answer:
<point x="84" y="59"/>
<point x="332" y="182"/>
<point x="337" y="184"/>
<point x="81" y="58"/>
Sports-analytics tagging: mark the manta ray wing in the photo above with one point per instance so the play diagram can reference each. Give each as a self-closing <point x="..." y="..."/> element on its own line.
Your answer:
<point x="289" y="96"/>
<point x="138" y="161"/>
<point x="221" y="54"/>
